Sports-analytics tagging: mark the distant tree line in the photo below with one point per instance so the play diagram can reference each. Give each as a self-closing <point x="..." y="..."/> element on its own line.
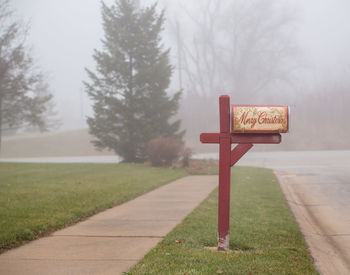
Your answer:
<point x="249" y="50"/>
<point x="320" y="119"/>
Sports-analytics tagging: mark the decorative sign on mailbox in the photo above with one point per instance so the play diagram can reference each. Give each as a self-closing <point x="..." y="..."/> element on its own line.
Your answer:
<point x="259" y="119"/>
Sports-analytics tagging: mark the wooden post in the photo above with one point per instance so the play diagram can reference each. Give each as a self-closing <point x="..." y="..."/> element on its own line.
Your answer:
<point x="224" y="175"/>
<point x="228" y="158"/>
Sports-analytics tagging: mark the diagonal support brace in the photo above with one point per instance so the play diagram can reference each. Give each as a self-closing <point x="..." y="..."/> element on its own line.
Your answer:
<point x="239" y="152"/>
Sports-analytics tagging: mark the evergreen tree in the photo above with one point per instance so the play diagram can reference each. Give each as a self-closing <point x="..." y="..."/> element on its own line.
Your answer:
<point x="128" y="89"/>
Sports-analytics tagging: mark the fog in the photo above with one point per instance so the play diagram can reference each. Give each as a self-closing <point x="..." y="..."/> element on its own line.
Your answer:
<point x="312" y="71"/>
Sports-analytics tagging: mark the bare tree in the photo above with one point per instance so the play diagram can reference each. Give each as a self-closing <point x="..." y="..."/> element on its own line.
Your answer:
<point x="240" y="46"/>
<point x="24" y="96"/>
<point x="244" y="48"/>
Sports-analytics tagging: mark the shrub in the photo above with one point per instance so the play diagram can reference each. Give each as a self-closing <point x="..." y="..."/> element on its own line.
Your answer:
<point x="164" y="151"/>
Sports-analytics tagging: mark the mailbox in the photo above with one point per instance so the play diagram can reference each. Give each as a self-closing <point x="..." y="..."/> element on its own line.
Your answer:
<point x="251" y="124"/>
<point x="266" y="119"/>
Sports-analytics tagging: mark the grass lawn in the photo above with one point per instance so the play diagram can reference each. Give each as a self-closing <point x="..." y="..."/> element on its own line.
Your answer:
<point x="36" y="199"/>
<point x="264" y="238"/>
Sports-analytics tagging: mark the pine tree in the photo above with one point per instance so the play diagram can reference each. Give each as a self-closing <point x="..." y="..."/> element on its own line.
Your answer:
<point x="128" y="89"/>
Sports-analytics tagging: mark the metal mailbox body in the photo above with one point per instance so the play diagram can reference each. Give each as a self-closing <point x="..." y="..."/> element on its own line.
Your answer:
<point x="264" y="119"/>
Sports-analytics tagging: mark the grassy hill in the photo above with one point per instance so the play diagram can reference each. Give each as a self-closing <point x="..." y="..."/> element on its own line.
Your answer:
<point x="51" y="144"/>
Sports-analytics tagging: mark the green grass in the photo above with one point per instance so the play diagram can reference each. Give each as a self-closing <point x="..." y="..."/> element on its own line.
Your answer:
<point x="36" y="199"/>
<point x="264" y="238"/>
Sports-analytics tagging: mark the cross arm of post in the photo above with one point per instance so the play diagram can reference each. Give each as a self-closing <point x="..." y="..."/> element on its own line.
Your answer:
<point x="243" y="138"/>
<point x="256" y="138"/>
<point x="210" y="137"/>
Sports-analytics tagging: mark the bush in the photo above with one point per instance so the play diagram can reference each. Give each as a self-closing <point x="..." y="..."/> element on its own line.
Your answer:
<point x="164" y="151"/>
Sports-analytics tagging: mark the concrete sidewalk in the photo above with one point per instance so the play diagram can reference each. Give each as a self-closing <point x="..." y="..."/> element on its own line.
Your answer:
<point x="114" y="240"/>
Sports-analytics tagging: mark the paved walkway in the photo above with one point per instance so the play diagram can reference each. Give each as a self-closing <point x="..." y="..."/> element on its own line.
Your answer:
<point x="114" y="240"/>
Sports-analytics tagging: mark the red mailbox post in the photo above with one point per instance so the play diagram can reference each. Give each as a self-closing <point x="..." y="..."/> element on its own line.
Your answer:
<point x="254" y="126"/>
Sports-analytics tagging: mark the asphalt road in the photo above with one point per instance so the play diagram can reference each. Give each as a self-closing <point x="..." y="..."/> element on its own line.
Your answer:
<point x="327" y="173"/>
<point x="79" y="159"/>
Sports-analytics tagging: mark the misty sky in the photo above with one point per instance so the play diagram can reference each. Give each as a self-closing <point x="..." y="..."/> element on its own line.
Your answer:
<point x="64" y="33"/>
